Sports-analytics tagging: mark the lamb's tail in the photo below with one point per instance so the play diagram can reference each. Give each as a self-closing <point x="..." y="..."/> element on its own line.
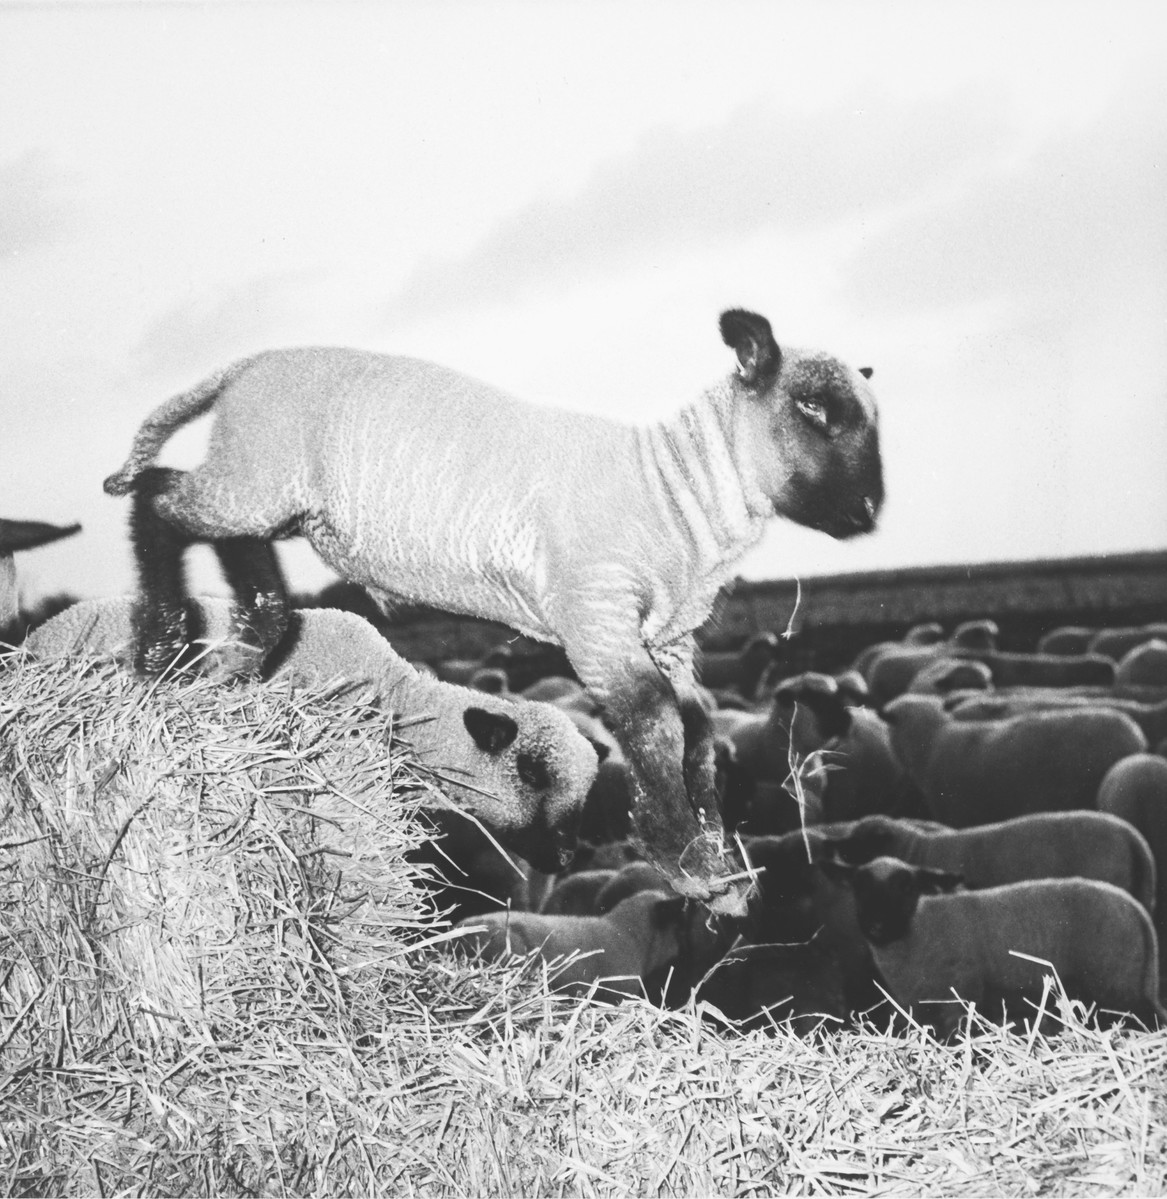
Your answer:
<point x="170" y="415"/>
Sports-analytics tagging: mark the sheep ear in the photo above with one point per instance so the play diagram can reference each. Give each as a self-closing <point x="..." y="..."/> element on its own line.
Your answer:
<point x="750" y="337"/>
<point x="867" y="371"/>
<point x="936" y="882"/>
<point x="492" y="731"/>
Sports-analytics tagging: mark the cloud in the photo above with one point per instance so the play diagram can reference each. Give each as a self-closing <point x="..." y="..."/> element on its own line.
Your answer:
<point x="35" y="209"/>
<point x="1082" y="214"/>
<point x="697" y="188"/>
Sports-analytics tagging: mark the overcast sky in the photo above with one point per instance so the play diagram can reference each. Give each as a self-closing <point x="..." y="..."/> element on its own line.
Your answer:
<point x="560" y="198"/>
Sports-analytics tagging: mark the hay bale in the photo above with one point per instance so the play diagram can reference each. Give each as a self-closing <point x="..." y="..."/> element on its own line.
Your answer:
<point x="159" y="842"/>
<point x="212" y="981"/>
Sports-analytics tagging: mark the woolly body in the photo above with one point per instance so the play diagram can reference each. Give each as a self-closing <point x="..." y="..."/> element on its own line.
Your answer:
<point x="608" y="539"/>
<point x="979" y="772"/>
<point x="1078" y="844"/>
<point x="531" y="790"/>
<point x="1097" y="938"/>
<point x="639" y="936"/>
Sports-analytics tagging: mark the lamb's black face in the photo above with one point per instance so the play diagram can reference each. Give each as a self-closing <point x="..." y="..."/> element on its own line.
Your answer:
<point x="817" y="456"/>
<point x="835" y="480"/>
<point x="886" y="900"/>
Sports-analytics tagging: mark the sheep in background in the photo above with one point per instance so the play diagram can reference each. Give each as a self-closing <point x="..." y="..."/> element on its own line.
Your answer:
<point x="521" y="768"/>
<point x="636" y="938"/>
<point x="979" y="772"/>
<point x="1144" y="665"/>
<point x="996" y="705"/>
<point x="951" y="674"/>
<point x="15" y="536"/>
<point x="928" y="940"/>
<point x="607" y="539"/>
<point x="1079" y="844"/>
<point x="1116" y="641"/>
<point x="1065" y="639"/>
<point x="1135" y="790"/>
<point x="741" y="671"/>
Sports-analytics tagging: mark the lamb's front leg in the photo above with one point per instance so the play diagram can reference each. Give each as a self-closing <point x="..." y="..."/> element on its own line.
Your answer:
<point x="674" y="809"/>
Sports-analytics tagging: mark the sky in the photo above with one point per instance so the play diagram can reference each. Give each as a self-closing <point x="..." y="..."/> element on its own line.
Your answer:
<point x="560" y="198"/>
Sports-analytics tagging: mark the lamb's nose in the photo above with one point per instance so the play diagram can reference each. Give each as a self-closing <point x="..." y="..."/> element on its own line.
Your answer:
<point x="862" y="519"/>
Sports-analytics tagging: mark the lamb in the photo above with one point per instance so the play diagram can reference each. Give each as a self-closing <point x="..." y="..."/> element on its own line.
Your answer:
<point x="606" y="539"/>
<point x="1150" y="717"/>
<point x="979" y="772"/>
<point x="635" y="939"/>
<point x="1143" y="666"/>
<point x="1041" y="845"/>
<point x="521" y="768"/>
<point x="1135" y="789"/>
<point x="802" y="714"/>
<point x="1117" y="641"/>
<point x="17" y="535"/>
<point x="859" y="774"/>
<point x="929" y="941"/>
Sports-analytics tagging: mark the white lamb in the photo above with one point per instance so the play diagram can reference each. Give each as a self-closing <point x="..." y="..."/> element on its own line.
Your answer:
<point x="520" y="767"/>
<point x="605" y="538"/>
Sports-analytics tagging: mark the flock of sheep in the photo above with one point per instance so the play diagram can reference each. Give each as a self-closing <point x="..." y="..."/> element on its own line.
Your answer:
<point x="783" y="846"/>
<point x="922" y="826"/>
<point x="985" y="810"/>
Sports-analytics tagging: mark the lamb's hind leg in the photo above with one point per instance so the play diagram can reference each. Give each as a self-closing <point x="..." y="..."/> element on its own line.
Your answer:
<point x="252" y="569"/>
<point x="160" y="615"/>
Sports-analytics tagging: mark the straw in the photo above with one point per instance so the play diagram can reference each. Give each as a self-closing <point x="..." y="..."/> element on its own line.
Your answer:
<point x="218" y="976"/>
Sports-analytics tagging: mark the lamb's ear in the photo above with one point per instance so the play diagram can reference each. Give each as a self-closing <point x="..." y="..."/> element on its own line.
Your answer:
<point x="750" y="337"/>
<point x="867" y="371"/>
<point x="492" y="731"/>
<point x="936" y="882"/>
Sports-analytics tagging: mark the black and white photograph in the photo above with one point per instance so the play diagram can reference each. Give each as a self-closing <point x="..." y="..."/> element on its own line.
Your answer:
<point x="583" y="598"/>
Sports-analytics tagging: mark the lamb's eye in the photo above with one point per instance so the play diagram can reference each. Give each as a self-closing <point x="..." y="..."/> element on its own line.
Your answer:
<point x="815" y="411"/>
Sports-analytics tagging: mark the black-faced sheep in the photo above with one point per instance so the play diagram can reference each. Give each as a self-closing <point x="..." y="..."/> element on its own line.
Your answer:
<point x="608" y="539"/>
<point x="858" y="774"/>
<point x="1079" y="844"/>
<point x="929" y="941"/>
<point x="521" y="768"/>
<point x="977" y="772"/>
<point x="637" y="938"/>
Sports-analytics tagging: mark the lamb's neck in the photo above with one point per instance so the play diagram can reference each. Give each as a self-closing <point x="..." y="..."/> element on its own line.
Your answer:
<point x="702" y="485"/>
